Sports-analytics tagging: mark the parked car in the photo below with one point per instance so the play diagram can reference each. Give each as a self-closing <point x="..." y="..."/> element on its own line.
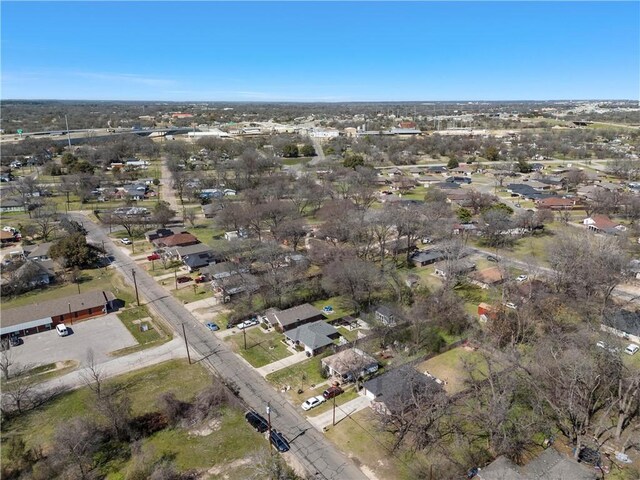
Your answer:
<point x="248" y="323"/>
<point x="279" y="441"/>
<point x="183" y="279"/>
<point x="213" y="327"/>
<point x="125" y="241"/>
<point x="153" y="256"/>
<point x="632" y="349"/>
<point x="257" y="421"/>
<point x="62" y="330"/>
<point x="510" y="305"/>
<point x="522" y="278"/>
<point x="200" y="279"/>
<point x="14" y="340"/>
<point x="313" y="402"/>
<point x="332" y="392"/>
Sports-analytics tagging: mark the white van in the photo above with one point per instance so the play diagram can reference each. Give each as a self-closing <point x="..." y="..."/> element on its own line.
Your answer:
<point x="62" y="330"/>
<point x="632" y="349"/>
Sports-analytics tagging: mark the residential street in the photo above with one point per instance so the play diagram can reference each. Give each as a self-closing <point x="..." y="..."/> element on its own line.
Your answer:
<point x="312" y="450"/>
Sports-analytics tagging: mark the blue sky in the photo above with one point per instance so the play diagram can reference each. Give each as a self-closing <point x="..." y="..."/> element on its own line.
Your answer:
<point x="334" y="51"/>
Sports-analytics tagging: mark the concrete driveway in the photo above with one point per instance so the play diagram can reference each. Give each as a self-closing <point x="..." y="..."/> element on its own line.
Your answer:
<point x="102" y="334"/>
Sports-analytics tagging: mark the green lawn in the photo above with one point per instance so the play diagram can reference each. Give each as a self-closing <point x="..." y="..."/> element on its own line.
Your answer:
<point x="231" y="439"/>
<point x="153" y="336"/>
<point x="93" y="279"/>
<point x="450" y="367"/>
<point x="186" y="293"/>
<point x="339" y="310"/>
<point x="263" y="347"/>
<point x="292" y="376"/>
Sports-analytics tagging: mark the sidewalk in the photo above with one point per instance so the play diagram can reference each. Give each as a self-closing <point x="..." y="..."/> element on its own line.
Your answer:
<point x="325" y="419"/>
<point x="280" y="364"/>
<point x="144" y="358"/>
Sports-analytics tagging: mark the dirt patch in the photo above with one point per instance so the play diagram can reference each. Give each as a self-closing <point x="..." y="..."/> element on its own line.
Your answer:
<point x="219" y="469"/>
<point x="368" y="472"/>
<point x="210" y="427"/>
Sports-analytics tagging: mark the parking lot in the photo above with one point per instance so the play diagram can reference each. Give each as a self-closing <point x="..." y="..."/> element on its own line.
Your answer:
<point x="102" y="334"/>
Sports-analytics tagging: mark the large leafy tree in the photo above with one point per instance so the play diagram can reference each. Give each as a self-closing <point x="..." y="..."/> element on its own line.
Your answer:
<point x="74" y="251"/>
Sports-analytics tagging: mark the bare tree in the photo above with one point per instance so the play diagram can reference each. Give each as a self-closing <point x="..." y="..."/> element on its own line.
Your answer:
<point x="77" y="440"/>
<point x="6" y="360"/>
<point x="45" y="220"/>
<point x="92" y="374"/>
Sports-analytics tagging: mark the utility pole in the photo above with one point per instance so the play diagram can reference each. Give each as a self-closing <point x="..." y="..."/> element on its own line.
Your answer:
<point x="175" y="276"/>
<point x="68" y="133"/>
<point x="269" y="427"/>
<point x="186" y="344"/>
<point x="70" y="320"/>
<point x="244" y="334"/>
<point x="334" y="411"/>
<point x="135" y="284"/>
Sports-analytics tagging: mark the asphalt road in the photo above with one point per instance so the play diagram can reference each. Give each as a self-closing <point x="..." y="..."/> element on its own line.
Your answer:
<point x="311" y="449"/>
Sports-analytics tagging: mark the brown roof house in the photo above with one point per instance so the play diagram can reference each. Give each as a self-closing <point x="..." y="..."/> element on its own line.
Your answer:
<point x="487" y="277"/>
<point x="176" y="240"/>
<point x="38" y="317"/>
<point x="294" y="317"/>
<point x="556" y="203"/>
<point x="602" y="223"/>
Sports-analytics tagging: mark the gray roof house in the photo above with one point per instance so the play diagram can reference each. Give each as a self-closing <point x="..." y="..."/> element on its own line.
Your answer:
<point x="152" y="235"/>
<point x="294" y="317"/>
<point x="426" y="257"/>
<point x="393" y="391"/>
<point x="385" y="315"/>
<point x="314" y="337"/>
<point x="220" y="270"/>
<point x="549" y="465"/>
<point x="37" y="252"/>
<point x="349" y="363"/>
<point x="623" y="323"/>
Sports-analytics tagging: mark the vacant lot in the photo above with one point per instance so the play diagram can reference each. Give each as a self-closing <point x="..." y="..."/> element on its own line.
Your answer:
<point x="452" y="366"/>
<point x="263" y="347"/>
<point x="225" y="445"/>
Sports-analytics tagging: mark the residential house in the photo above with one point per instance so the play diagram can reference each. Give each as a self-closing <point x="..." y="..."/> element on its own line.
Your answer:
<point x="176" y="240"/>
<point x="602" y="223"/>
<point x="622" y="323"/>
<point x="485" y="312"/>
<point x="549" y="465"/>
<point x="38" y="317"/>
<point x="457" y="268"/>
<point x="36" y="273"/>
<point x="385" y="315"/>
<point x="487" y="277"/>
<point x="226" y="288"/>
<point x="350" y="364"/>
<point x="12" y="205"/>
<point x="313" y="337"/>
<point x="464" y="169"/>
<point x="221" y="270"/>
<point x="210" y="210"/>
<point x="396" y="390"/>
<point x="152" y="235"/>
<point x="556" y="203"/>
<point x="438" y="169"/>
<point x="37" y="252"/>
<point x="422" y="258"/>
<point x="294" y="317"/>
<point x="468" y="228"/>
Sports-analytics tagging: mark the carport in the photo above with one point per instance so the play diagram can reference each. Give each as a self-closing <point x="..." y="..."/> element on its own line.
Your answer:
<point x="27" y="328"/>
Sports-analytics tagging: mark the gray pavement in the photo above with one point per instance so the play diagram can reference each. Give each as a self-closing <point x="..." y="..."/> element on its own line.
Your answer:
<point x="318" y="456"/>
<point x="325" y="419"/>
<point x="103" y="335"/>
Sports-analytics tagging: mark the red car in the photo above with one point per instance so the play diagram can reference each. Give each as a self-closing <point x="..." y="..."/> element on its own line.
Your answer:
<point x="153" y="256"/>
<point x="199" y="279"/>
<point x="184" y="279"/>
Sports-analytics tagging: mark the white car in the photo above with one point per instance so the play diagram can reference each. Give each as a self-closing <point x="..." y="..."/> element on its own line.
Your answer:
<point x="125" y="241"/>
<point x="248" y="323"/>
<point x="313" y="402"/>
<point x="511" y="305"/>
<point x="631" y="349"/>
<point x="522" y="278"/>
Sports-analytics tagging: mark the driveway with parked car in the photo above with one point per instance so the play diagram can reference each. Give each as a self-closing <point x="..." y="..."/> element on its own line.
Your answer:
<point x="102" y="334"/>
